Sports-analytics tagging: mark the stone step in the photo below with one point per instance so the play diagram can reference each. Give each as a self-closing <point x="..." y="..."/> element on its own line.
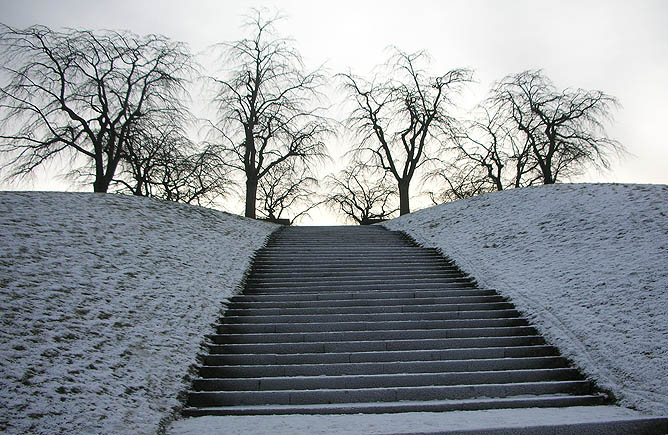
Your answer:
<point x="387" y="294"/>
<point x="385" y="380"/>
<point x="372" y="310"/>
<point x="371" y="317"/>
<point x="345" y="249"/>
<point x="462" y="353"/>
<point x="394" y="334"/>
<point x="465" y="299"/>
<point x="370" y="368"/>
<point x="259" y="279"/>
<point x="392" y="394"/>
<point x="372" y="281"/>
<point x="347" y="257"/>
<point x="443" y="284"/>
<point x="349" y="273"/>
<point x="544" y="401"/>
<point x="243" y="328"/>
<point x="373" y="345"/>
<point x="367" y="264"/>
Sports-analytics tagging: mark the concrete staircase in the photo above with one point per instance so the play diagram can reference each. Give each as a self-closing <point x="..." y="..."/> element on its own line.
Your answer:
<point x="338" y="320"/>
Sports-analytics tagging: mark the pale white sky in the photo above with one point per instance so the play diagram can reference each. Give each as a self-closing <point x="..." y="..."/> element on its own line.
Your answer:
<point x="619" y="47"/>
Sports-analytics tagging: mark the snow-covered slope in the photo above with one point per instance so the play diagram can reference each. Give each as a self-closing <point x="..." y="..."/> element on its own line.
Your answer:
<point x="104" y="301"/>
<point x="588" y="263"/>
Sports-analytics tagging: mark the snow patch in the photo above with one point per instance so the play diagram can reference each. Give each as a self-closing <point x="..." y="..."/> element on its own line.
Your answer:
<point x="105" y="301"/>
<point x="587" y="263"/>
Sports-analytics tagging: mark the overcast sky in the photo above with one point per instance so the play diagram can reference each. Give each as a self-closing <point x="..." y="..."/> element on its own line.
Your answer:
<point x="619" y="47"/>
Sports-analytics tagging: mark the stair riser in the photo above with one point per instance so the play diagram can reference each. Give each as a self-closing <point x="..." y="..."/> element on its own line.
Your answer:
<point x="353" y="268"/>
<point x="260" y="279"/>
<point x="387" y="295"/>
<point x="372" y="310"/>
<point x="384" y="381"/>
<point x="457" y="354"/>
<point x="375" y="317"/>
<point x="368" y="302"/>
<point x="338" y="285"/>
<point x="365" y="326"/>
<point x="210" y="370"/>
<point x="389" y="407"/>
<point x="417" y="334"/>
<point x="376" y="346"/>
<point x="385" y="394"/>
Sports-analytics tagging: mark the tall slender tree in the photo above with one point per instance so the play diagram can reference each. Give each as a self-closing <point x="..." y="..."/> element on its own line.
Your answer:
<point x="267" y="112"/>
<point x="82" y="92"/>
<point x="398" y="116"/>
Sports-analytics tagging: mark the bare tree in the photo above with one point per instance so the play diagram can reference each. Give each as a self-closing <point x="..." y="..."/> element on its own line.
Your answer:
<point x="161" y="162"/>
<point x="361" y="195"/>
<point x="564" y="130"/>
<point x="287" y="188"/>
<point x="80" y="92"/>
<point x="266" y="114"/>
<point x="398" y="116"/>
<point x="486" y="154"/>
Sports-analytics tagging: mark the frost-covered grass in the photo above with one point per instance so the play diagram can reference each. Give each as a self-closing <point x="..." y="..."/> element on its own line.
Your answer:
<point x="105" y="300"/>
<point x="587" y="263"/>
<point x="104" y="303"/>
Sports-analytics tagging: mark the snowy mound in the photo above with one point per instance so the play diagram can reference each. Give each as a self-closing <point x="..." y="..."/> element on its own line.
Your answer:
<point x="587" y="263"/>
<point x="105" y="300"/>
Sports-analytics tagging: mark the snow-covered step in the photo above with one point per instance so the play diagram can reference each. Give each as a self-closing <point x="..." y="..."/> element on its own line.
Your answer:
<point x="425" y="285"/>
<point x="372" y="345"/>
<point x="363" y="320"/>
<point x="264" y="279"/>
<point x="245" y="328"/>
<point x="369" y="368"/>
<point x="372" y="335"/>
<point x="382" y="394"/>
<point x="348" y="381"/>
<point x="475" y="306"/>
<point x="544" y="401"/>
<point x="387" y="294"/>
<point x="371" y="317"/>
<point x="462" y="353"/>
<point x="458" y="299"/>
<point x="338" y="273"/>
<point x="350" y="266"/>
<point x="363" y="283"/>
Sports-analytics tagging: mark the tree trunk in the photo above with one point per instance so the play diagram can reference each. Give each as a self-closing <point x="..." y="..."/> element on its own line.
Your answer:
<point x="100" y="185"/>
<point x="251" y="196"/>
<point x="404" y="201"/>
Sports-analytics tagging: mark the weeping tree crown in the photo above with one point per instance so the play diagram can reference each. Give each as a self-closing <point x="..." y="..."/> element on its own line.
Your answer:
<point x="266" y="107"/>
<point x="81" y="92"/>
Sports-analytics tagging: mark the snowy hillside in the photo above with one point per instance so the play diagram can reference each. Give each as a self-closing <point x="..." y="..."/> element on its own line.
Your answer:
<point x="104" y="301"/>
<point x="589" y="265"/>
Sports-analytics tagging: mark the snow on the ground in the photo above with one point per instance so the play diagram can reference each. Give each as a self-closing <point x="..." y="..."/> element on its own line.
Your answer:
<point x="410" y="422"/>
<point x="587" y="263"/>
<point x="104" y="304"/>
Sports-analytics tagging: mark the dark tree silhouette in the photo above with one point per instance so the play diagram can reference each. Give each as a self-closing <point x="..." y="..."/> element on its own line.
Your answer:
<point x="486" y="154"/>
<point x="161" y="162"/>
<point x="399" y="116"/>
<point x="526" y="132"/>
<point x="266" y="114"/>
<point x="81" y="92"/>
<point x="360" y="196"/>
<point x="287" y="188"/>
<point x="563" y="130"/>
